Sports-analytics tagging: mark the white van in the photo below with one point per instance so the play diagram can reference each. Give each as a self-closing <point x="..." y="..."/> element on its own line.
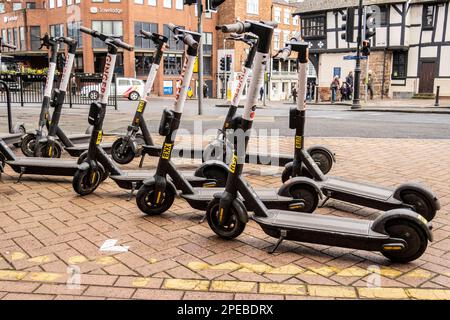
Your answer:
<point x="129" y="88"/>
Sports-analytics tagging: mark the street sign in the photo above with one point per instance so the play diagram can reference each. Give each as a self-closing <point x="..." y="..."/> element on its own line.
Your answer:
<point x="354" y="58"/>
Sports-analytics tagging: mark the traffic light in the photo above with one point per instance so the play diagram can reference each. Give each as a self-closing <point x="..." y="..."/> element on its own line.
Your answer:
<point x="228" y="63"/>
<point x="349" y="25"/>
<point x="366" y="48"/>
<point x="370" y="23"/>
<point x="189" y="2"/>
<point x="222" y="64"/>
<point x="212" y="5"/>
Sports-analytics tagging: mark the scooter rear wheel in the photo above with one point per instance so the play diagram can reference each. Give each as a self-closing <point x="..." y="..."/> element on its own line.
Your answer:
<point x="322" y="159"/>
<point x="415" y="238"/>
<point x="28" y="144"/>
<point x="420" y="203"/>
<point x="145" y="200"/>
<point x="231" y="229"/>
<point x="218" y="174"/>
<point x="122" y="157"/>
<point x="85" y="183"/>
<point x="83" y="157"/>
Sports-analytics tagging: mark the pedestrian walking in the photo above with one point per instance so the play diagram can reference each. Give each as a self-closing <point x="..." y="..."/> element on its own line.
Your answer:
<point x="370" y="84"/>
<point x="294" y="94"/>
<point x="205" y="90"/>
<point x="335" y="86"/>
<point x="261" y="93"/>
<point x="349" y="81"/>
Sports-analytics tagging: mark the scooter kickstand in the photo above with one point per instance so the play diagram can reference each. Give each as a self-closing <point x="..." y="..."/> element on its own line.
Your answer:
<point x="324" y="202"/>
<point x="202" y="220"/>
<point x="141" y="163"/>
<point x="22" y="171"/>
<point x="133" y="188"/>
<point x="283" y="234"/>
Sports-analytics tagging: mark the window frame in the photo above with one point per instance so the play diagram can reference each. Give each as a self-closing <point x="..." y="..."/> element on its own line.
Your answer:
<point x="395" y="66"/>
<point x="318" y="27"/>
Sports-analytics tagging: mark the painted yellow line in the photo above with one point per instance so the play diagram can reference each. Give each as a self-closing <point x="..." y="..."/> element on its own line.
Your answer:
<point x="321" y="291"/>
<point x="40" y="259"/>
<point x="77" y="259"/>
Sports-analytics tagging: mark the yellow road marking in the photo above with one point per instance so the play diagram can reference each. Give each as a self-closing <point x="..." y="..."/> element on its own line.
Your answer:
<point x="331" y="291"/>
<point x="233" y="286"/>
<point x="181" y="284"/>
<point x="40" y="259"/>
<point x="286" y="270"/>
<point x="382" y="293"/>
<point x="15" y="256"/>
<point x="77" y="259"/>
<point x="12" y="275"/>
<point x="44" y="276"/>
<point x="428" y="294"/>
<point x="275" y="288"/>
<point x="141" y="282"/>
<point x="106" y="260"/>
<point x="152" y="260"/>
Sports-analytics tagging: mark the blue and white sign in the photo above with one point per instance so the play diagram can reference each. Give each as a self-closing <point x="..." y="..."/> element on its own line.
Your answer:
<point x="168" y="87"/>
<point x="355" y="58"/>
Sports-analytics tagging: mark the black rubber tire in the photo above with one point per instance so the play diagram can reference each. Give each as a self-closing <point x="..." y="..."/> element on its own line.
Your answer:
<point x="134" y="96"/>
<point x="216" y="173"/>
<point x="28" y="144"/>
<point x="81" y="185"/>
<point x="232" y="229"/>
<point x="322" y="159"/>
<point x="93" y="95"/>
<point x="2" y="163"/>
<point x="415" y="238"/>
<point x="56" y="151"/>
<point x="309" y="196"/>
<point x="144" y="200"/>
<point x="287" y="172"/>
<point x="122" y="158"/>
<point x="419" y="202"/>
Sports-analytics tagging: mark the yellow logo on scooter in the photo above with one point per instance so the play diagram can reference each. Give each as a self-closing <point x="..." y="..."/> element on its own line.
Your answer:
<point x="166" y="151"/>
<point x="99" y="137"/>
<point x="233" y="163"/>
<point x="298" y="142"/>
<point x="141" y="106"/>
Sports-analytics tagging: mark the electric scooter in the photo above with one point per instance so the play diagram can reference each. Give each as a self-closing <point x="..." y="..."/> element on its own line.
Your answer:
<point x="408" y="195"/>
<point x="401" y="234"/>
<point x="73" y="144"/>
<point x="157" y="194"/>
<point x="15" y="133"/>
<point x="95" y="165"/>
<point x="124" y="149"/>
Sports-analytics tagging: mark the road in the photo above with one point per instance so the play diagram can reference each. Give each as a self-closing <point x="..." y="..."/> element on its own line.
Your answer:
<point x="322" y="121"/>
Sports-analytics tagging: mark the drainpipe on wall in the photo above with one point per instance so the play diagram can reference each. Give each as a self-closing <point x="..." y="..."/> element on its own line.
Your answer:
<point x="384" y="73"/>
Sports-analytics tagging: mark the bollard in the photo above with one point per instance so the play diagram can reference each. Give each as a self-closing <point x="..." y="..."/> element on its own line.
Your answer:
<point x="317" y="94"/>
<point x="438" y="89"/>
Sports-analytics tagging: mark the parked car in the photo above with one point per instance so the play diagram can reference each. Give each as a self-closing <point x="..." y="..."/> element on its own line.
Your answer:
<point x="129" y="88"/>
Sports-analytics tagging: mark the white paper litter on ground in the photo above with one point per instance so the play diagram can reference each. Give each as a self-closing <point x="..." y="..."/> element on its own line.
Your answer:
<point x="110" y="246"/>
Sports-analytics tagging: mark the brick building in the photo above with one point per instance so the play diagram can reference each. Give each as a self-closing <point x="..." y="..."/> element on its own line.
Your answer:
<point x="411" y="39"/>
<point x="23" y="22"/>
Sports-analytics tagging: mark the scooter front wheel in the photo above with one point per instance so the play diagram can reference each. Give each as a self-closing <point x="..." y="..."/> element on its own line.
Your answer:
<point x="54" y="152"/>
<point x="322" y="158"/>
<point x="86" y="182"/>
<point x="28" y="145"/>
<point x="120" y="157"/>
<point x="416" y="241"/>
<point x="150" y="203"/>
<point x="229" y="229"/>
<point x="307" y="195"/>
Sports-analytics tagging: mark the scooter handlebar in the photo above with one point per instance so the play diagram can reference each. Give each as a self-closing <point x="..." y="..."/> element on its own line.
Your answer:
<point x="184" y="35"/>
<point x="238" y="27"/>
<point x="114" y="41"/>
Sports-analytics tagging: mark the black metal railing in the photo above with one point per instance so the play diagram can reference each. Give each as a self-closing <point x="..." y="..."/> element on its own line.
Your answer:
<point x="29" y="88"/>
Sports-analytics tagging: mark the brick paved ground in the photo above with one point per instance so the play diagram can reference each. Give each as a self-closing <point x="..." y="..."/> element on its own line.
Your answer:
<point x="45" y="227"/>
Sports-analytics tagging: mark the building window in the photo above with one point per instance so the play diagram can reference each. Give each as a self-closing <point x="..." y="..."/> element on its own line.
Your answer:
<point x="399" y="64"/>
<point x="207" y="42"/>
<point x="31" y="5"/>
<point x="253" y="6"/>
<point x="287" y="16"/>
<point x="383" y="16"/>
<point x="143" y="63"/>
<point x="35" y="38"/>
<point x="152" y="3"/>
<point x="207" y="65"/>
<point x="179" y="4"/>
<point x="57" y="30"/>
<point x="73" y="31"/>
<point x="59" y="3"/>
<point x="313" y="27"/>
<point x="173" y="63"/>
<point x="17" y="6"/>
<point x="51" y="4"/>
<point x="79" y="67"/>
<point x="276" y="40"/>
<point x="295" y="21"/>
<point x="139" y="1"/>
<point x="277" y="15"/>
<point x="167" y="4"/>
<point x="141" y="43"/>
<point x="23" y="42"/>
<point x="2" y="7"/>
<point x="428" y="17"/>
<point x="172" y="43"/>
<point x="114" y="28"/>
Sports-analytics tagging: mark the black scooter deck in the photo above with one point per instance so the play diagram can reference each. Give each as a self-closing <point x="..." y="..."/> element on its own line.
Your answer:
<point x="268" y="159"/>
<point x="43" y="166"/>
<point x="202" y="196"/>
<point x="359" y="189"/>
<point x="78" y="149"/>
<point x="134" y="179"/>
<point x="11" y="138"/>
